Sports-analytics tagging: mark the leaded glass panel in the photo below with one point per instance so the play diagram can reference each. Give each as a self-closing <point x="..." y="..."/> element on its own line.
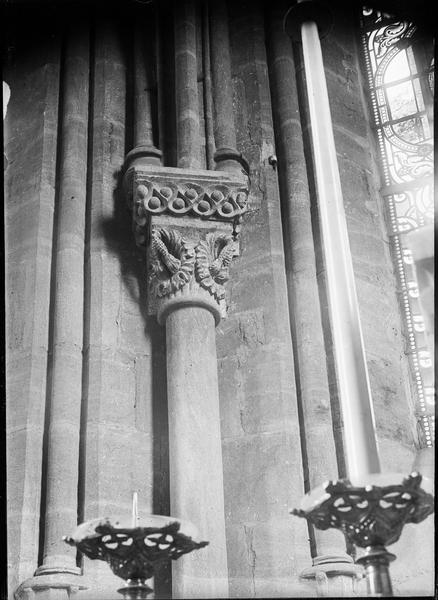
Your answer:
<point x="400" y="70"/>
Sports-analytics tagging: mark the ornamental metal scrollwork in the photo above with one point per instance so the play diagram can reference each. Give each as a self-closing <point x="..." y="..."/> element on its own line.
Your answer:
<point x="133" y="553"/>
<point x="391" y="35"/>
<point x="371" y="515"/>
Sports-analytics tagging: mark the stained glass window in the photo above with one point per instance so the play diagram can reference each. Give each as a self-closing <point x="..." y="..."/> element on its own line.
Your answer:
<point x="400" y="69"/>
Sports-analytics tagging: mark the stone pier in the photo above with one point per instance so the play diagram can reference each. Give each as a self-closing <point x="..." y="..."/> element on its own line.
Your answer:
<point x="187" y="223"/>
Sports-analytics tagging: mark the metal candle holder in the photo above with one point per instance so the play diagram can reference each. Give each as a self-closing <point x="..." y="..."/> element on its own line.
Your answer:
<point x="370" y="516"/>
<point x="134" y="551"/>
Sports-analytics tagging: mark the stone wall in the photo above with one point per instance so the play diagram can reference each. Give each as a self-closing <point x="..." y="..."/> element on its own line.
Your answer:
<point x="269" y="430"/>
<point x="30" y="148"/>
<point x="384" y="335"/>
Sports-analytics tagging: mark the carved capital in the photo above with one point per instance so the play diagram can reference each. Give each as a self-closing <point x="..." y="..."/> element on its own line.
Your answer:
<point x="205" y="195"/>
<point x="188" y="222"/>
<point x="171" y="261"/>
<point x="188" y="269"/>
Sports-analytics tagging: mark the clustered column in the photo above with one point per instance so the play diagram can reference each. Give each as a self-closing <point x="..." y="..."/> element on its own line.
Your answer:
<point x="328" y="551"/>
<point x="58" y="576"/>
<point x="226" y="156"/>
<point x="186" y="86"/>
<point x="187" y="221"/>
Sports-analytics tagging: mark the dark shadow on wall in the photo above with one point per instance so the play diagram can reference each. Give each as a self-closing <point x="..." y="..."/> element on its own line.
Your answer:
<point x="119" y="238"/>
<point x="116" y="232"/>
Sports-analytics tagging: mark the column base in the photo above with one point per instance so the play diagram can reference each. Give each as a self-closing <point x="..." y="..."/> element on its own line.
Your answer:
<point x="54" y="570"/>
<point x="51" y="586"/>
<point x="334" y="575"/>
<point x="229" y="159"/>
<point x="143" y="156"/>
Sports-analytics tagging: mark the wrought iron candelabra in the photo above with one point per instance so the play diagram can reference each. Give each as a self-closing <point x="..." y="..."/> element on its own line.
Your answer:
<point x="134" y="549"/>
<point x="371" y="516"/>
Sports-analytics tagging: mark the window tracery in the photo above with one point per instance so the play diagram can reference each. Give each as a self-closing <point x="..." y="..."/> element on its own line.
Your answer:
<point x="400" y="70"/>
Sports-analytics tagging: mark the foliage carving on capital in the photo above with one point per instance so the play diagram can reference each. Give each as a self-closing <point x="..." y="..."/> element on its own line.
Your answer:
<point x="171" y="261"/>
<point x="175" y="261"/>
<point x="213" y="257"/>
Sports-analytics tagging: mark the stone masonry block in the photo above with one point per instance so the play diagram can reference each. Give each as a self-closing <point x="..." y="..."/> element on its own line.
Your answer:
<point x="269" y="465"/>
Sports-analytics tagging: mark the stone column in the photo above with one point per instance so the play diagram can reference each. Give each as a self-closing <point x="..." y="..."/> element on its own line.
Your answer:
<point x="50" y="587"/>
<point x="207" y="88"/>
<point x="189" y="311"/>
<point x="186" y="86"/>
<point x="28" y="259"/>
<point x="195" y="451"/>
<point x="66" y="377"/>
<point x="226" y="156"/>
<point x="109" y="433"/>
<point x="145" y="120"/>
<point x="55" y="578"/>
<point x="188" y="265"/>
<point x="331" y="564"/>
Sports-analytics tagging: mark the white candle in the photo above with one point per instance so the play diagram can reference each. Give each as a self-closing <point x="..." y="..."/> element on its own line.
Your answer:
<point x="134" y="509"/>
<point x="354" y="388"/>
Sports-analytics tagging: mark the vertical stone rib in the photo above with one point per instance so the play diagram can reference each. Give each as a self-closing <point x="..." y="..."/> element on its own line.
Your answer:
<point x="304" y="302"/>
<point x="159" y="75"/>
<point x="226" y="156"/>
<point x="208" y="92"/>
<point x="144" y="151"/>
<point x="106" y="485"/>
<point x="31" y="144"/>
<point x="186" y="73"/>
<point x="302" y="283"/>
<point x="143" y="117"/>
<point x="319" y="454"/>
<point x="66" y="371"/>
<point x="224" y="129"/>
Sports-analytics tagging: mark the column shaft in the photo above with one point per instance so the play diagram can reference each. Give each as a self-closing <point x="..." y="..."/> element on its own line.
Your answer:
<point x="144" y="150"/>
<point x="208" y="92"/>
<point x="309" y="350"/>
<point x="224" y="129"/>
<point x="30" y="145"/>
<point x="186" y="74"/>
<point x="66" y="372"/>
<point x="196" y="478"/>
<point x="109" y="438"/>
<point x="143" y="84"/>
<point x="227" y="157"/>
